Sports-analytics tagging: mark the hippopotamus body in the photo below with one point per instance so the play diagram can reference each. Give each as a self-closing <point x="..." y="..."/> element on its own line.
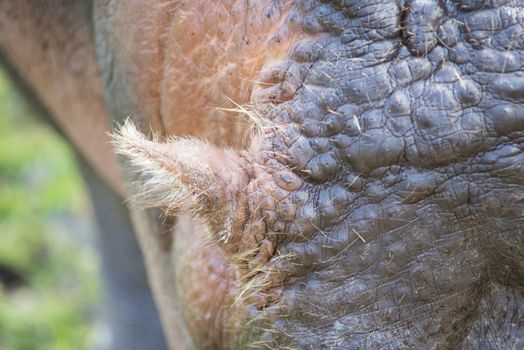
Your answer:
<point x="306" y="174"/>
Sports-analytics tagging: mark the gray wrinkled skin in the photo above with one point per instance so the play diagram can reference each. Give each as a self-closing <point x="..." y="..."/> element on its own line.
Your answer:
<point x="408" y="123"/>
<point x="406" y="120"/>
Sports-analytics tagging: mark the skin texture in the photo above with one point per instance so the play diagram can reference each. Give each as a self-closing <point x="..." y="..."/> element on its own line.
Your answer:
<point x="400" y="222"/>
<point x="378" y="203"/>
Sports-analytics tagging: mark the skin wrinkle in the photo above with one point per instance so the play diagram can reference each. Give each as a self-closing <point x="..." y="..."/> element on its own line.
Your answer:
<point x="413" y="161"/>
<point x="163" y="52"/>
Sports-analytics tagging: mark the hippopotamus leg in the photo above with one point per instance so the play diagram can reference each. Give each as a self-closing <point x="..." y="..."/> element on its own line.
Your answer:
<point x="129" y="307"/>
<point x="129" y="310"/>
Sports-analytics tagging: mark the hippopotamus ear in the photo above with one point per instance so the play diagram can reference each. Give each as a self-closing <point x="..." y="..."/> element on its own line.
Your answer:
<point x="184" y="176"/>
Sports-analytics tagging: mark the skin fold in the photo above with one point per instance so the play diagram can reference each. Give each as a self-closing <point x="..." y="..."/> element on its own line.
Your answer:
<point x="323" y="174"/>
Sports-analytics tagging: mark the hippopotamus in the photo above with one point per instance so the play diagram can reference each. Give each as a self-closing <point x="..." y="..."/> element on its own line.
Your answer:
<point x="308" y="174"/>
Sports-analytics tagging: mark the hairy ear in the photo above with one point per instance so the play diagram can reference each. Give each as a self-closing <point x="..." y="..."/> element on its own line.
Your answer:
<point x="184" y="176"/>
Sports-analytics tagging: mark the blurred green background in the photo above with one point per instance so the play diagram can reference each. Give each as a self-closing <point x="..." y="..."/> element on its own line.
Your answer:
<point x="48" y="267"/>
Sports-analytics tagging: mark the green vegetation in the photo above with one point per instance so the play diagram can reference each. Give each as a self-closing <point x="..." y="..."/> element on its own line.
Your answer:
<point x="48" y="273"/>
